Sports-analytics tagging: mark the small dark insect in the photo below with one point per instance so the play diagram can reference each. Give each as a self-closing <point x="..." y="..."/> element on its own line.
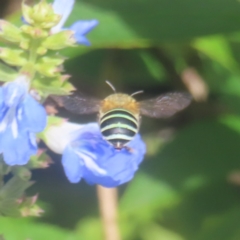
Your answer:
<point x="119" y="113"/>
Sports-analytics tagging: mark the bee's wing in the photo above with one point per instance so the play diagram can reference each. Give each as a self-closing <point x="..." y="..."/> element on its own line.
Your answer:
<point x="78" y="103"/>
<point x="165" y="105"/>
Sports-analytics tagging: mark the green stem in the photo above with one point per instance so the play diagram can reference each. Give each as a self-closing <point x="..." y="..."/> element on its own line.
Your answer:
<point x="33" y="57"/>
<point x="33" y="51"/>
<point x="4" y="170"/>
<point x="1" y="173"/>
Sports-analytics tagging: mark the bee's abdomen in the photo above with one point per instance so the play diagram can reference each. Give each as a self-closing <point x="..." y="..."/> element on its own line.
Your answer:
<point x="118" y="127"/>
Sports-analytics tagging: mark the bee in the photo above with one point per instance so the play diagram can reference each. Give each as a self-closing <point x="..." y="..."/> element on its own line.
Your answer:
<point x="120" y="114"/>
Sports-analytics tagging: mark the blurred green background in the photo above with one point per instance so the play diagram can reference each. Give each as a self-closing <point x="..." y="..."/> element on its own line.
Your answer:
<point x="188" y="187"/>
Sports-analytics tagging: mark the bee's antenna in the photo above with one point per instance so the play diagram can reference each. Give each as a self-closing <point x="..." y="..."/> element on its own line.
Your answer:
<point x="111" y="86"/>
<point x="136" y="93"/>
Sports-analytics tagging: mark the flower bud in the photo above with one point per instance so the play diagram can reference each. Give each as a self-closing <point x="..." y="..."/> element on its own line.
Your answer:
<point x="22" y="172"/>
<point x="47" y="69"/>
<point x="52" y="60"/>
<point x="13" y="57"/>
<point x="65" y="77"/>
<point x="25" y="44"/>
<point x="28" y="207"/>
<point x="41" y="15"/>
<point x="10" y="32"/>
<point x="34" y="32"/>
<point x="27" y="13"/>
<point x="68" y="87"/>
<point x="52" y="86"/>
<point x="60" y="40"/>
<point x="7" y="74"/>
<point x="40" y="160"/>
<point x="41" y="50"/>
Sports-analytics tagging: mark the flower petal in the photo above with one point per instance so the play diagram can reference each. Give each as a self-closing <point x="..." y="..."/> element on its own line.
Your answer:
<point x="1" y="98"/>
<point x="31" y="115"/>
<point x="60" y="135"/>
<point x="63" y="8"/>
<point x="81" y="39"/>
<point x="81" y="28"/>
<point x="72" y="165"/>
<point x="89" y="161"/>
<point x="120" y="166"/>
<point x="16" y="151"/>
<point x="2" y="106"/>
<point x="104" y="181"/>
<point x="13" y="92"/>
<point x="100" y="162"/>
<point x="19" y="113"/>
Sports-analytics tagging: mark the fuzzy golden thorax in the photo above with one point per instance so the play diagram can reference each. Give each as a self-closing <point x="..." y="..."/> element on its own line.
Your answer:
<point x="120" y="100"/>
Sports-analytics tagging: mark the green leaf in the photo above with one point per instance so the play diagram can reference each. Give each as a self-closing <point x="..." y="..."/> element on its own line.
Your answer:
<point x="13" y="56"/>
<point x="218" y="49"/>
<point x="52" y="86"/>
<point x="196" y="151"/>
<point x="90" y="228"/>
<point x="10" y="193"/>
<point x="154" y="67"/>
<point x="40" y="160"/>
<point x="144" y="195"/>
<point x="131" y="23"/>
<point x="157" y="232"/>
<point x="144" y="199"/>
<point x="22" y="172"/>
<point x="14" y="188"/>
<point x="231" y="121"/>
<point x="222" y="226"/>
<point x="132" y="66"/>
<point x="7" y="73"/>
<point x="231" y="86"/>
<point x="198" y="162"/>
<point x="10" y="32"/>
<point x="16" y="229"/>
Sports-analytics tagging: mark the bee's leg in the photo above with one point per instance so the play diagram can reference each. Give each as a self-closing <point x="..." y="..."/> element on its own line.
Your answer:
<point x="131" y="150"/>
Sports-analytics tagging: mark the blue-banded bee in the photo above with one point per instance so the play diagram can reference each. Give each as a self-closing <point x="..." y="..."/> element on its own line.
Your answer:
<point x="119" y="114"/>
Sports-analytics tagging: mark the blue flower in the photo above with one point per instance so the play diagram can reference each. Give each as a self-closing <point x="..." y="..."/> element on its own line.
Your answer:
<point x="21" y="117"/>
<point x="80" y="28"/>
<point x="87" y="155"/>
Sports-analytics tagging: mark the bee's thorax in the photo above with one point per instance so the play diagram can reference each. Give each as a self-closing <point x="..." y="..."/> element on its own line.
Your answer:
<point x="120" y="100"/>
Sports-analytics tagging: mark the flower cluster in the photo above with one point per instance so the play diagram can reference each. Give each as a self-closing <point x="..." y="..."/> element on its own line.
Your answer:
<point x="21" y="116"/>
<point x="85" y="153"/>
